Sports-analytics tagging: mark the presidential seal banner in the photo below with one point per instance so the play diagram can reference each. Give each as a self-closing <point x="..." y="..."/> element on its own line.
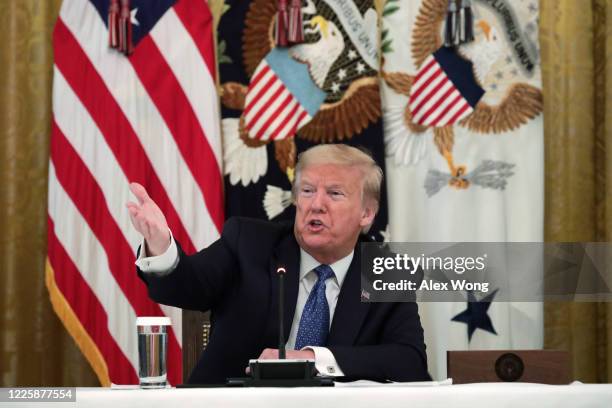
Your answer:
<point x="477" y="179"/>
<point x="322" y="90"/>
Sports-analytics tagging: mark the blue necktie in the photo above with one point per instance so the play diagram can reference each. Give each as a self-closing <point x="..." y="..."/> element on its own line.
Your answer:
<point x="314" y="323"/>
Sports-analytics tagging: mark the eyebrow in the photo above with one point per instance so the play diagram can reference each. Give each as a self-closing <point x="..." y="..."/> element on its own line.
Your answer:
<point x="335" y="185"/>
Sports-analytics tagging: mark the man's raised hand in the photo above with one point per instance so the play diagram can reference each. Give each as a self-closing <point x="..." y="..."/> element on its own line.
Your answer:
<point x="148" y="219"/>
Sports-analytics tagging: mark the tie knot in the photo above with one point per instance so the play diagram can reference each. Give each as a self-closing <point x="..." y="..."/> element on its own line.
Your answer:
<point x="324" y="272"/>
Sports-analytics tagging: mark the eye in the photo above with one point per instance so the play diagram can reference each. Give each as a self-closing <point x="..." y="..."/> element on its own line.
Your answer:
<point x="306" y="191"/>
<point x="336" y="194"/>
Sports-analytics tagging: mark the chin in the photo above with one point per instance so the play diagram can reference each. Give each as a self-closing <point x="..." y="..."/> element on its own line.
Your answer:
<point x="316" y="242"/>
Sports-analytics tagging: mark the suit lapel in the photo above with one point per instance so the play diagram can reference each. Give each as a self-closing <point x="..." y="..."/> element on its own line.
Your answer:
<point x="350" y="311"/>
<point x="286" y="254"/>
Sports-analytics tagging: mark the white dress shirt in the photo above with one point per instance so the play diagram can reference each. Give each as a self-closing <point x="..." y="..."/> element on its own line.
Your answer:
<point x="325" y="362"/>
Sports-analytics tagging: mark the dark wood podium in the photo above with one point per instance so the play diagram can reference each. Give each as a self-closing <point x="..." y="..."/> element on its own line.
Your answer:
<point x="536" y="366"/>
<point x="196" y="329"/>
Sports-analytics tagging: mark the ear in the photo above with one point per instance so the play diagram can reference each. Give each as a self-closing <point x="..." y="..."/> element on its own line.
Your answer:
<point x="367" y="215"/>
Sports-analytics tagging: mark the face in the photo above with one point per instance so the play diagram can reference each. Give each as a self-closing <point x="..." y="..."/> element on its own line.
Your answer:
<point x="330" y="212"/>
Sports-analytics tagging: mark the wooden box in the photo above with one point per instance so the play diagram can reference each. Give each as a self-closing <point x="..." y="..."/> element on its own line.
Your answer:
<point x="535" y="366"/>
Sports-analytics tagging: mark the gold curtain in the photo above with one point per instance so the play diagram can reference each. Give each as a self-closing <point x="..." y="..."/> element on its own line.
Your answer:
<point x="34" y="347"/>
<point x="576" y="41"/>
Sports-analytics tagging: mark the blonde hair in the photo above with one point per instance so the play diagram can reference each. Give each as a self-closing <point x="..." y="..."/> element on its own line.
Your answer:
<point x="344" y="155"/>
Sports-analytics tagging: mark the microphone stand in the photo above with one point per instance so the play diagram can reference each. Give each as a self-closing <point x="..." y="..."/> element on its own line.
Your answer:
<point x="282" y="354"/>
<point x="282" y="372"/>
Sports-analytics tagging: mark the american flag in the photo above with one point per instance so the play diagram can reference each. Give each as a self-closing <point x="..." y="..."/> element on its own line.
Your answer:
<point x="153" y="118"/>
<point x="281" y="98"/>
<point x="444" y="90"/>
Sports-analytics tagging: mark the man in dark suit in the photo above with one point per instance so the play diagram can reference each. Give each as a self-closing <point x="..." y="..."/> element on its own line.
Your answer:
<point x="336" y="194"/>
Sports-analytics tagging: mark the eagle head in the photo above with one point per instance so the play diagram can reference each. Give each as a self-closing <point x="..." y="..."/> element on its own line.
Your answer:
<point x="320" y="55"/>
<point x="321" y="24"/>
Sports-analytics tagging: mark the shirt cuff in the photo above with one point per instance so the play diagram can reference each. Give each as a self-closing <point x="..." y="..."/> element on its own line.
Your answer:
<point x="325" y="362"/>
<point x="161" y="264"/>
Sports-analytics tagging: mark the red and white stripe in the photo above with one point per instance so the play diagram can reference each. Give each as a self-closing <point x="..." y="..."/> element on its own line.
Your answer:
<point x="152" y="118"/>
<point x="434" y="99"/>
<point x="271" y="112"/>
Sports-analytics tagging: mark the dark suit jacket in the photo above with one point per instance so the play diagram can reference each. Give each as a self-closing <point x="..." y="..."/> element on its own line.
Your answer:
<point x="235" y="277"/>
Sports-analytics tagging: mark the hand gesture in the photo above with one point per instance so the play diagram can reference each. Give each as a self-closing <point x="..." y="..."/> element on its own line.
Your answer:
<point x="149" y="220"/>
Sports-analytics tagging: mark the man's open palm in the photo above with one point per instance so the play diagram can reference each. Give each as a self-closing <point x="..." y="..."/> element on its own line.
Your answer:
<point x="149" y="220"/>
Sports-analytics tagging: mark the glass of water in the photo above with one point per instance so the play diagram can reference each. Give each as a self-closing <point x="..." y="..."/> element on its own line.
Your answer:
<point x="152" y="351"/>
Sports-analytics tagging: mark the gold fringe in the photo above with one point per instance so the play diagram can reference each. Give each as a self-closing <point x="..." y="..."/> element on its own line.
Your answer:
<point x="75" y="328"/>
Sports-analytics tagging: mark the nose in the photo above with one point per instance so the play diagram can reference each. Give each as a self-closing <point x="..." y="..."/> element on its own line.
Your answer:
<point x="318" y="201"/>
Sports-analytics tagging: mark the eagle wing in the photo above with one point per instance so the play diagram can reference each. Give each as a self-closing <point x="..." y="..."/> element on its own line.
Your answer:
<point x="258" y="34"/>
<point x="522" y="103"/>
<point x="337" y="121"/>
<point x="426" y="38"/>
<point x="398" y="81"/>
<point x="402" y="83"/>
<point x="233" y="95"/>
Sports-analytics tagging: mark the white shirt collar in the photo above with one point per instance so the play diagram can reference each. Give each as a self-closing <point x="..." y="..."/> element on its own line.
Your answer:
<point x="340" y="267"/>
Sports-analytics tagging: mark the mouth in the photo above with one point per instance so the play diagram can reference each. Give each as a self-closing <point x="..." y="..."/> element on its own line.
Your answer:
<point x="315" y="225"/>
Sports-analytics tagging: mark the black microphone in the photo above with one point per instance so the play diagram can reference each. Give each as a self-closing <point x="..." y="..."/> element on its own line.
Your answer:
<point x="282" y="372"/>
<point x="281" y="271"/>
